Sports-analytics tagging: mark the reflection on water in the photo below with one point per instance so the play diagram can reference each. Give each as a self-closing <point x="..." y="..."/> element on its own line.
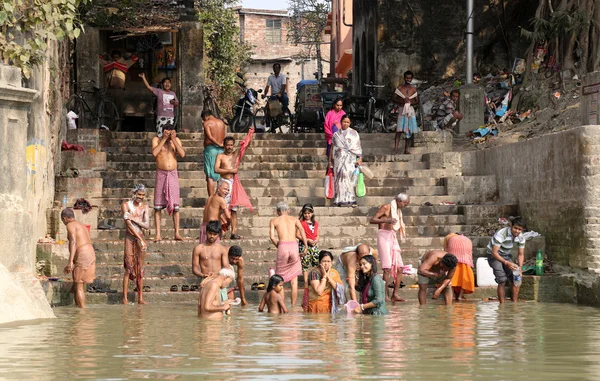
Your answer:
<point x="470" y="341"/>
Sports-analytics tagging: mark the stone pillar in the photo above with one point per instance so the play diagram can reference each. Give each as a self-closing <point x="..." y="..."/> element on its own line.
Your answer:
<point x="590" y="102"/>
<point x="21" y="297"/>
<point x="191" y="47"/>
<point x="471" y="106"/>
<point x="88" y="50"/>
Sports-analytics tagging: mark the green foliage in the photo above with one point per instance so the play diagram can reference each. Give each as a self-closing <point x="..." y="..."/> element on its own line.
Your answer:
<point x="308" y="20"/>
<point x="225" y="51"/>
<point x="28" y="25"/>
<point x="122" y="13"/>
<point x="559" y="24"/>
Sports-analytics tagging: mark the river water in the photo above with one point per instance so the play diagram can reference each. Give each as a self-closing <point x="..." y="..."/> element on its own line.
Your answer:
<point x="470" y="341"/>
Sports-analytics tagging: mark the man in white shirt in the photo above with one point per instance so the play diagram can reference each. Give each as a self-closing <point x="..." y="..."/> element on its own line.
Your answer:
<point x="278" y="84"/>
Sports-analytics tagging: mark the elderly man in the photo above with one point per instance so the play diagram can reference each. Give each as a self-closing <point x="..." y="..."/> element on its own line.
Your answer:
<point x="437" y="268"/>
<point x="288" y="264"/>
<point x="389" y="219"/>
<point x="446" y="114"/>
<point x="348" y="262"/>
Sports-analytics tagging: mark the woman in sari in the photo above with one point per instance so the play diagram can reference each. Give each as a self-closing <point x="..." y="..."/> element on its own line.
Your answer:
<point x="371" y="287"/>
<point x="333" y="122"/>
<point x="326" y="291"/>
<point x="344" y="157"/>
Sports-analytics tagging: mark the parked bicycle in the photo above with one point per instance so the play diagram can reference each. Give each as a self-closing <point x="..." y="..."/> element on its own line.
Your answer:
<point x="367" y="112"/>
<point x="209" y="102"/>
<point x="105" y="113"/>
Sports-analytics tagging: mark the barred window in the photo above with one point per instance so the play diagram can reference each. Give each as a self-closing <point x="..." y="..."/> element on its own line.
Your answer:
<point x="273" y="31"/>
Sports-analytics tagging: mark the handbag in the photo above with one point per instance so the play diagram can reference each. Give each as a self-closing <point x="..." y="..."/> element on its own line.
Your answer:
<point x="329" y="184"/>
<point x="367" y="172"/>
<point x="361" y="191"/>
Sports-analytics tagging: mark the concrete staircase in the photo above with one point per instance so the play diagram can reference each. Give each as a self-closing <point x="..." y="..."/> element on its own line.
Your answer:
<point x="288" y="167"/>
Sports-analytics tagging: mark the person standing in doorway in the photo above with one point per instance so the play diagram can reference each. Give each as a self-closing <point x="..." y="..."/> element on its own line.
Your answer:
<point x="137" y="218"/>
<point x="165" y="104"/>
<point x="166" y="193"/>
<point x="283" y="232"/>
<point x="214" y="135"/>
<point x="82" y="257"/>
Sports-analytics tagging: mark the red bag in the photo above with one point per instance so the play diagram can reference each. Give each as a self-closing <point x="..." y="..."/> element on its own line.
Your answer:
<point x="329" y="184"/>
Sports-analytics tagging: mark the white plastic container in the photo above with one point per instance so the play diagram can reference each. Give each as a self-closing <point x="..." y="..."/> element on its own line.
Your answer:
<point x="485" y="274"/>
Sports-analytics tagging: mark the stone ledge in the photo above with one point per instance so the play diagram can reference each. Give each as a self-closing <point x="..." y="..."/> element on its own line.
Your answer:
<point x="17" y="94"/>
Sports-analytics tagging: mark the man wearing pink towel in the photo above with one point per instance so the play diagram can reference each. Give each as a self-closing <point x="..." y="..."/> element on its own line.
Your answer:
<point x="389" y="219"/>
<point x="288" y="264"/>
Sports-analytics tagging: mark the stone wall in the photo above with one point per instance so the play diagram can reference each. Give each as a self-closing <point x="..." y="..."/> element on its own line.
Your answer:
<point x="552" y="180"/>
<point x="21" y="297"/>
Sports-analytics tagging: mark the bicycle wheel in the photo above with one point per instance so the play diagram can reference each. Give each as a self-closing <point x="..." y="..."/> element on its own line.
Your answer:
<point x="76" y="105"/>
<point x="108" y="116"/>
<point x="260" y="120"/>
<point x="390" y="117"/>
<point x="370" y="117"/>
<point x="356" y="115"/>
<point x="242" y="124"/>
<point x="285" y="121"/>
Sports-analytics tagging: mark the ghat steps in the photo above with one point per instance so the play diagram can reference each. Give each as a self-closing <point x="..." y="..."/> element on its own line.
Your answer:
<point x="276" y="167"/>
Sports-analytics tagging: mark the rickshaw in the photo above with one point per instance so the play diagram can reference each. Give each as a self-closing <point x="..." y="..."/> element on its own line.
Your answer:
<point x="308" y="107"/>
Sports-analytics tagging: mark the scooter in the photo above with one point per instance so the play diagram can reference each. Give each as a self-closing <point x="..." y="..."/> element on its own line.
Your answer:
<point x="243" y="110"/>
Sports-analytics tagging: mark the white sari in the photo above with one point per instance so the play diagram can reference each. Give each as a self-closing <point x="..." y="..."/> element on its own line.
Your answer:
<point x="346" y="150"/>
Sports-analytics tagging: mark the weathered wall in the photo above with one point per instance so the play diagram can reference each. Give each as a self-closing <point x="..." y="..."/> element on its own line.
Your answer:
<point x="191" y="53"/>
<point x="555" y="181"/>
<point x="21" y="297"/>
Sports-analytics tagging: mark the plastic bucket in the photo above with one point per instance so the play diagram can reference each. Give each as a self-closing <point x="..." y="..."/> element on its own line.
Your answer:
<point x="351" y="305"/>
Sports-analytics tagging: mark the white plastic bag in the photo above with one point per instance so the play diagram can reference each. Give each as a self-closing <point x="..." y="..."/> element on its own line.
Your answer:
<point x="71" y="116"/>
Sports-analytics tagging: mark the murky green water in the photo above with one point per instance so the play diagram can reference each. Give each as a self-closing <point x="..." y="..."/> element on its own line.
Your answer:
<point x="474" y="341"/>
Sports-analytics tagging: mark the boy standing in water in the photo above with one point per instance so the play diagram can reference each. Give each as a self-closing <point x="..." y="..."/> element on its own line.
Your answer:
<point x="272" y="298"/>
<point x="82" y="257"/>
<point x="500" y="258"/>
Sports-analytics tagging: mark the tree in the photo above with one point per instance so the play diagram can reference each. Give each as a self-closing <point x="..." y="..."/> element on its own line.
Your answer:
<point x="226" y="53"/>
<point x="308" y="19"/>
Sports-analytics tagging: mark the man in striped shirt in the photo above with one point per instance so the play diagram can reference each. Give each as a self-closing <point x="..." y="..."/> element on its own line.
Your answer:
<point x="500" y="257"/>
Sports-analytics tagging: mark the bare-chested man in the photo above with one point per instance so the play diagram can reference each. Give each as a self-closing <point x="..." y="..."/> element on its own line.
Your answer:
<point x="348" y="262"/>
<point x="436" y="267"/>
<point x="214" y="133"/>
<point x="137" y="218"/>
<point x="235" y="259"/>
<point x="166" y="189"/>
<point x="211" y="305"/>
<point x="288" y="264"/>
<point x="406" y="96"/>
<point x="226" y="166"/>
<point x="215" y="209"/>
<point x="210" y="257"/>
<point x="389" y="219"/>
<point x="82" y="257"/>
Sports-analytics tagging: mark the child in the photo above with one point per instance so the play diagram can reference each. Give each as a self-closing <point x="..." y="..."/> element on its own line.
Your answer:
<point x="165" y="105"/>
<point x="272" y="298"/>
<point x="311" y="228"/>
<point x="500" y="258"/>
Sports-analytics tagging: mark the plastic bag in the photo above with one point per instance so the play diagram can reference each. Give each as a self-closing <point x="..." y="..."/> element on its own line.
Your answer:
<point x="367" y="172"/>
<point x="329" y="184"/>
<point x="361" y="191"/>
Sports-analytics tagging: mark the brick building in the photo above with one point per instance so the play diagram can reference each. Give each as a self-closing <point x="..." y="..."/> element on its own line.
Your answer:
<point x="267" y="32"/>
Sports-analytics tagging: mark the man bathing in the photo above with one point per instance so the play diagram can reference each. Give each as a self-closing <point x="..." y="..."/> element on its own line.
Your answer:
<point x="288" y="258"/>
<point x="210" y="257"/>
<point x="214" y="133"/>
<point x="235" y="259"/>
<point x="437" y="268"/>
<point x="215" y="209"/>
<point x="136" y="216"/>
<point x="82" y="258"/>
<point x="389" y="219"/>
<point x="347" y="264"/>
<point x="166" y="193"/>
<point x="210" y="303"/>
<point x="226" y="166"/>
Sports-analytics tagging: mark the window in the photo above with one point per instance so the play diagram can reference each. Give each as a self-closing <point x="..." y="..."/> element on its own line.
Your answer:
<point x="273" y="31"/>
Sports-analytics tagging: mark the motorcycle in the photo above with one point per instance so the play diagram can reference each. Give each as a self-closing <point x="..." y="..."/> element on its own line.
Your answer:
<point x="243" y="110"/>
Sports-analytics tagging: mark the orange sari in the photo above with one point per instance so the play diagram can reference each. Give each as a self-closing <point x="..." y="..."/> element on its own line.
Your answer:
<point x="321" y="304"/>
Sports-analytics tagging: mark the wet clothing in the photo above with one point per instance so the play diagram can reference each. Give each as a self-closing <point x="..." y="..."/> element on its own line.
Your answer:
<point x="288" y="261"/>
<point x="133" y="251"/>
<point x="239" y="197"/>
<point x="463" y="279"/>
<point x="432" y="281"/>
<point x="346" y="151"/>
<point x="325" y="302"/>
<point x="84" y="264"/>
<point x="389" y="251"/>
<point x="166" y="192"/>
<point x="374" y="292"/>
<point x="210" y="157"/>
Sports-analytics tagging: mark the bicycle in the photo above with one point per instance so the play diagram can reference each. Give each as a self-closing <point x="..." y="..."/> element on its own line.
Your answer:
<point x="105" y="112"/>
<point x="209" y="102"/>
<point x="367" y="112"/>
<point x="282" y="118"/>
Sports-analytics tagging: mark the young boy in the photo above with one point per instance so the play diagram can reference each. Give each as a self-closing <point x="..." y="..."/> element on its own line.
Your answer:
<point x="272" y="298"/>
<point x="500" y="258"/>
